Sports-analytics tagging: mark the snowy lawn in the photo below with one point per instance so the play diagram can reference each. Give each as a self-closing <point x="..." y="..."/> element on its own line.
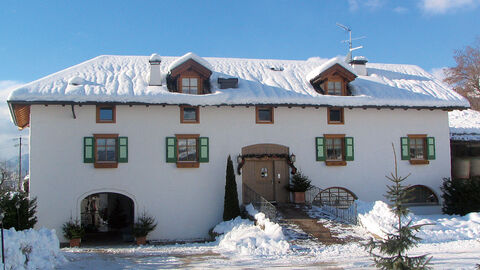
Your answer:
<point x="453" y="242"/>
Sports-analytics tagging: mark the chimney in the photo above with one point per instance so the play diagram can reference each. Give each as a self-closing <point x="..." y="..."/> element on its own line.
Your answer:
<point x="155" y="75"/>
<point x="359" y="64"/>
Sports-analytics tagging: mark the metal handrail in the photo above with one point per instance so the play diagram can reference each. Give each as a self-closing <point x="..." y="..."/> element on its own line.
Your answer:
<point x="259" y="202"/>
<point x="337" y="209"/>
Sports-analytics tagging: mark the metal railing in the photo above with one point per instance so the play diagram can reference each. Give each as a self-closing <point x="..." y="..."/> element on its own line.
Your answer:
<point x="259" y="203"/>
<point x="339" y="207"/>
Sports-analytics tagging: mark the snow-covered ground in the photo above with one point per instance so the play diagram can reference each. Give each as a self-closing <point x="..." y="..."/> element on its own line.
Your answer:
<point x="453" y="242"/>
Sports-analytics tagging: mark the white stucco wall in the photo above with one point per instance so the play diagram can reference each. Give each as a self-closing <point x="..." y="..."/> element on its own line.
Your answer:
<point x="188" y="202"/>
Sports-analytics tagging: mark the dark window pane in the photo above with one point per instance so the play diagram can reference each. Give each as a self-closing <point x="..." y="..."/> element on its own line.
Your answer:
<point x="421" y="195"/>
<point x="187" y="149"/>
<point x="265" y="115"/>
<point x="190" y="114"/>
<point x="106" y="114"/>
<point x="335" y="115"/>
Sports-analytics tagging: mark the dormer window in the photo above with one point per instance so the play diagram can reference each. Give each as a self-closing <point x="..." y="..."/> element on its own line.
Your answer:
<point x="334" y="88"/>
<point x="190" y="85"/>
<point x="190" y="75"/>
<point x="332" y="78"/>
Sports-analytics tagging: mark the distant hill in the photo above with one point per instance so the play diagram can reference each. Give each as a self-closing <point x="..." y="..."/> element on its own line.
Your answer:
<point x="12" y="163"/>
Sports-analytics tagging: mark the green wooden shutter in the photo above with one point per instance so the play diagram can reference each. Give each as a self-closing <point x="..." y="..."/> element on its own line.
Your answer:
<point x="88" y="148"/>
<point x="405" y="143"/>
<point x="430" y="148"/>
<point x="203" y="155"/>
<point x="320" y="148"/>
<point x="171" y="145"/>
<point x="123" y="149"/>
<point x="349" y="152"/>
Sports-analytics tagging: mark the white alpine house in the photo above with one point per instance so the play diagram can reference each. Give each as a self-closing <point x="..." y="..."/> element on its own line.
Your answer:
<point x="116" y="136"/>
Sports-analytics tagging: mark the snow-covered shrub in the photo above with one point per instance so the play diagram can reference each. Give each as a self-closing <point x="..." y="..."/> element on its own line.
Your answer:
<point x="21" y="218"/>
<point x="32" y="249"/>
<point x="244" y="237"/>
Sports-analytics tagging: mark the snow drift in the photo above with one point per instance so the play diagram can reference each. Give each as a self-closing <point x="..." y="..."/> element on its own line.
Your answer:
<point x="377" y="218"/>
<point x="244" y="237"/>
<point x="32" y="249"/>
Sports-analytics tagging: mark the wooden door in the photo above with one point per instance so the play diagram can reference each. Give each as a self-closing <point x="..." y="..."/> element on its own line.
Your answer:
<point x="282" y="178"/>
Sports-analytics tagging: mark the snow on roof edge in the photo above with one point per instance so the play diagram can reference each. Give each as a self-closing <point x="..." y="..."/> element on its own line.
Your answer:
<point x="330" y="63"/>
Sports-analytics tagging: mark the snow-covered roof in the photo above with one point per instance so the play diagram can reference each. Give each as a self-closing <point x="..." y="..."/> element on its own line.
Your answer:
<point x="464" y="125"/>
<point x="124" y="79"/>
<point x="328" y="64"/>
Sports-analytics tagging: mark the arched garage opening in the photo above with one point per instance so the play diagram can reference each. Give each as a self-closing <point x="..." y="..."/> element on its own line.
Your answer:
<point x="107" y="217"/>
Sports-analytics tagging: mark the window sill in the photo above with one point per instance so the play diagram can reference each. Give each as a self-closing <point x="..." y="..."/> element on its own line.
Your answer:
<point x="188" y="164"/>
<point x="336" y="163"/>
<point x="335" y="123"/>
<point x="189" y="122"/>
<point x="106" y="122"/>
<point x="419" y="161"/>
<point x="264" y="122"/>
<point x="106" y="165"/>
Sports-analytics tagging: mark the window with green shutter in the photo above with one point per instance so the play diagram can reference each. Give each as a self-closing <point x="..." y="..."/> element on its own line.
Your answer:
<point x="320" y="148"/>
<point x="122" y="149"/>
<point x="203" y="142"/>
<point x="88" y="148"/>
<point x="418" y="149"/>
<point x="430" y="148"/>
<point x="404" y="141"/>
<point x="171" y="146"/>
<point x="349" y="150"/>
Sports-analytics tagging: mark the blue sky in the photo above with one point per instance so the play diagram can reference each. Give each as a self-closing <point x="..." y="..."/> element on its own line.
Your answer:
<point x="38" y="38"/>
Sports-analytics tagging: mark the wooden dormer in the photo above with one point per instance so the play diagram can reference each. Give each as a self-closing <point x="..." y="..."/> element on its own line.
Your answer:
<point x="190" y="77"/>
<point x="333" y="81"/>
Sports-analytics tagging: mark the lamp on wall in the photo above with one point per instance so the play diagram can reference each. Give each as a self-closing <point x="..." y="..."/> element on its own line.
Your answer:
<point x="293" y="158"/>
<point x="239" y="159"/>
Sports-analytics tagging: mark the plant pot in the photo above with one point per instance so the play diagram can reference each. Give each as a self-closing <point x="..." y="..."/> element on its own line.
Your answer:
<point x="299" y="197"/>
<point x="75" y="242"/>
<point x="141" y="240"/>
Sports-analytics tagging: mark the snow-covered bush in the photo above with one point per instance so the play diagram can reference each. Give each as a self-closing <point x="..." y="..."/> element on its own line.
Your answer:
<point x="377" y="218"/>
<point x="31" y="249"/>
<point x="244" y="237"/>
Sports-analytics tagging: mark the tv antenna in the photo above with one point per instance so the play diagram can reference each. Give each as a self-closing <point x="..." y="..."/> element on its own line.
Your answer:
<point x="348" y="58"/>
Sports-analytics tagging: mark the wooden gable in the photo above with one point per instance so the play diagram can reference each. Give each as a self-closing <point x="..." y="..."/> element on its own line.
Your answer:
<point x="336" y="72"/>
<point x="191" y="65"/>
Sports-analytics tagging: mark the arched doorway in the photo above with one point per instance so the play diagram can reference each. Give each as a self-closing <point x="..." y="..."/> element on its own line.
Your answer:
<point x="107" y="217"/>
<point x="266" y="171"/>
<point x="338" y="197"/>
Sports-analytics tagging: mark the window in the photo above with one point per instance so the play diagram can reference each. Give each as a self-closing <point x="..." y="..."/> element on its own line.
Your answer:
<point x="334" y="88"/>
<point x="418" y="148"/>
<point x="190" y="85"/>
<point x="334" y="149"/>
<point x="187" y="150"/>
<point x="105" y="113"/>
<point x="264" y="115"/>
<point x="105" y="150"/>
<point x="189" y="115"/>
<point x="335" y="116"/>
<point x="421" y="195"/>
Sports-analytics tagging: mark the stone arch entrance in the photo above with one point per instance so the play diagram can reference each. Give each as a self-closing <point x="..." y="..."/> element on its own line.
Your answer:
<point x="107" y="217"/>
<point x="266" y="171"/>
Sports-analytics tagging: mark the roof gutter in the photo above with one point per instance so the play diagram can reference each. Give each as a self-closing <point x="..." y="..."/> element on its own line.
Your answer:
<point x="10" y="103"/>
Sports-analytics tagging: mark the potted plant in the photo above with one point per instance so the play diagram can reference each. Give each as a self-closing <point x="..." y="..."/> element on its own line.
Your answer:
<point x="73" y="231"/>
<point x="142" y="227"/>
<point x="299" y="184"/>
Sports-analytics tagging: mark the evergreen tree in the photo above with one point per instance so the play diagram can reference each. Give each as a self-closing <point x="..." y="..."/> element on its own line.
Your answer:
<point x="231" y="208"/>
<point x="395" y="246"/>
<point x="22" y="218"/>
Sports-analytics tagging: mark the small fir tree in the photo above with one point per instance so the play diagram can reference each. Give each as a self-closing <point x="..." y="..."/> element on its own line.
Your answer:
<point x="300" y="183"/>
<point x="395" y="246"/>
<point x="231" y="209"/>
<point x="144" y="225"/>
<point x="22" y="218"/>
